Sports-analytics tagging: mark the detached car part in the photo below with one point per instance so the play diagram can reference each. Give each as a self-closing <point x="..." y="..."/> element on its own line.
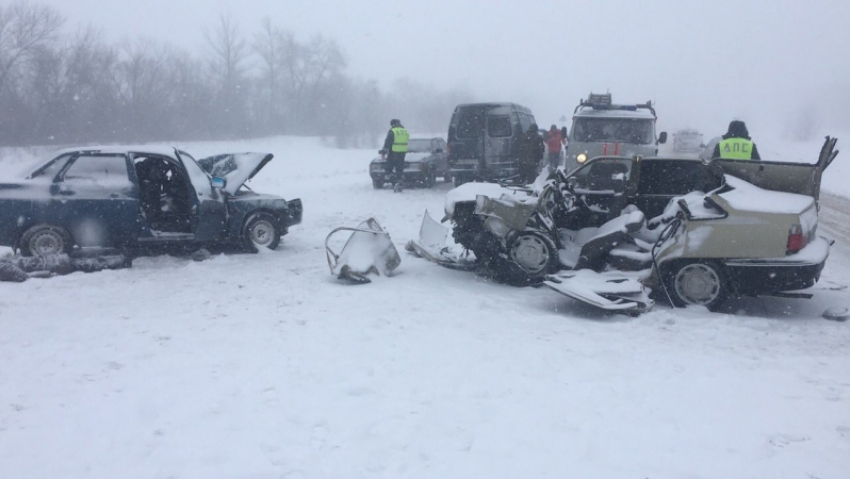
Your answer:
<point x="369" y="250"/>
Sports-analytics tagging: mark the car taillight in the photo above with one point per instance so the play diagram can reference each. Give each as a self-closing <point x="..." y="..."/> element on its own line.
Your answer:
<point x="796" y="239"/>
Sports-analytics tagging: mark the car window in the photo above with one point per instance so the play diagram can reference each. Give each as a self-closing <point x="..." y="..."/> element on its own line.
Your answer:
<point x="98" y="171"/>
<point x="525" y="121"/>
<point x="603" y="174"/>
<point x="419" y="146"/>
<point x="470" y="124"/>
<point x="675" y="178"/>
<point x="498" y="126"/>
<point x="50" y="170"/>
<point x="619" y="130"/>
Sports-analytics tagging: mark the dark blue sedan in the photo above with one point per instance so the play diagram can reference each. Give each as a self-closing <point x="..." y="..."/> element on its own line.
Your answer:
<point x="142" y="197"/>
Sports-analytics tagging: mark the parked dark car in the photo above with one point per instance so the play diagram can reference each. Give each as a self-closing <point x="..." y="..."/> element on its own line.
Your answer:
<point x="424" y="162"/>
<point x="142" y="197"/>
<point x="483" y="140"/>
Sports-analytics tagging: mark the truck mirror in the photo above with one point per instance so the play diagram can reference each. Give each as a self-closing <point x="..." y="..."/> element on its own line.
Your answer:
<point x="662" y="138"/>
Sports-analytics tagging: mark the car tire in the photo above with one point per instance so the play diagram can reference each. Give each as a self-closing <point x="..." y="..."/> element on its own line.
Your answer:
<point x="700" y="283"/>
<point x="260" y="231"/>
<point x="43" y="240"/>
<point x="535" y="254"/>
<point x="431" y="179"/>
<point x="377" y="184"/>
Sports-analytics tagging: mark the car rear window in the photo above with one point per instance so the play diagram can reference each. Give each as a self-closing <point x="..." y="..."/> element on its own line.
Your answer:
<point x="498" y="126"/>
<point x="419" y="146"/>
<point x="470" y="124"/>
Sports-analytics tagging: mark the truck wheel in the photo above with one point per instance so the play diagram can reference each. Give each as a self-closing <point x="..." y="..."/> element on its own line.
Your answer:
<point x="43" y="240"/>
<point x="260" y="231"/>
<point x="698" y="283"/>
<point x="377" y="184"/>
<point x="535" y="254"/>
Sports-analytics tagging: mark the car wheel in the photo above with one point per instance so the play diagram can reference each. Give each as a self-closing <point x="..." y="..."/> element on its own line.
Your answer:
<point x="697" y="283"/>
<point x="260" y="231"/>
<point x="43" y="240"/>
<point x="535" y="254"/>
<point x="431" y="179"/>
<point x="377" y="184"/>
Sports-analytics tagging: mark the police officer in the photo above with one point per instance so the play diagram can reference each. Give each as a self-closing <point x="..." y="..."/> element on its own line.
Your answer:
<point x="395" y="147"/>
<point x="736" y="144"/>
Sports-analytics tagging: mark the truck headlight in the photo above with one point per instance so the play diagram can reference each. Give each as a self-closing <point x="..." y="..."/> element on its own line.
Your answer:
<point x="581" y="158"/>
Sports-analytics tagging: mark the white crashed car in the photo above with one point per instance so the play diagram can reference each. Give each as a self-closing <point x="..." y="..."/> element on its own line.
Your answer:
<point x="700" y="232"/>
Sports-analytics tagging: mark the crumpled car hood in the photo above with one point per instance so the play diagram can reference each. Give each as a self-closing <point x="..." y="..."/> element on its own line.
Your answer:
<point x="236" y="168"/>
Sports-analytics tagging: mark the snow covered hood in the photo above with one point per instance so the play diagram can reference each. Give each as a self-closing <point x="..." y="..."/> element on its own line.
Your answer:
<point x="237" y="168"/>
<point x="471" y="191"/>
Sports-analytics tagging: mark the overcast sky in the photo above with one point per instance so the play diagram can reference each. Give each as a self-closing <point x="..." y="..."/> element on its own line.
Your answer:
<point x="702" y="62"/>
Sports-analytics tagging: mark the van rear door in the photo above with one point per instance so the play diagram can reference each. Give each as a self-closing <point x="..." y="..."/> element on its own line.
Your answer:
<point x="498" y="156"/>
<point x="466" y="138"/>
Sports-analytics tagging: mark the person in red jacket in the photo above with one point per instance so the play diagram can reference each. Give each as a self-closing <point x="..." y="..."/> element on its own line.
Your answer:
<point x="554" y="143"/>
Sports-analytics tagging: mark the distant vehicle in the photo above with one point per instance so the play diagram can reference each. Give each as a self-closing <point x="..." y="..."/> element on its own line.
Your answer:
<point x="601" y="128"/>
<point x="426" y="159"/>
<point x="483" y="140"/>
<point x="140" y="198"/>
<point x="688" y="141"/>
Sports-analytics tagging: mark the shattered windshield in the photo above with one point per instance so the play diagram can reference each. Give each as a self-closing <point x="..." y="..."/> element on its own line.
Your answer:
<point x="619" y="130"/>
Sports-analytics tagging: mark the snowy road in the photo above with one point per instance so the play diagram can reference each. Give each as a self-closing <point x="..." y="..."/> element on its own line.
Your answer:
<point x="262" y="366"/>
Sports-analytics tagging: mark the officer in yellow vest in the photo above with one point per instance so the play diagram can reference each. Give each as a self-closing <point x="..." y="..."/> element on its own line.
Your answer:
<point x="395" y="147"/>
<point x="736" y="144"/>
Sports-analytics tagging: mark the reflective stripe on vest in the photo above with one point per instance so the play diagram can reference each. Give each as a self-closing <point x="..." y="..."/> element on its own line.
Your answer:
<point x="400" y="137"/>
<point x="736" y="149"/>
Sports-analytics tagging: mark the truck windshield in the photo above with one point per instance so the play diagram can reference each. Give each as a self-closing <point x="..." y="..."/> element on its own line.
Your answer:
<point x="614" y="130"/>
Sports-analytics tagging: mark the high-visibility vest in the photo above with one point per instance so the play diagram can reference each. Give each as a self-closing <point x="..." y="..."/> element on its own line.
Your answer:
<point x="736" y="149"/>
<point x="400" y="137"/>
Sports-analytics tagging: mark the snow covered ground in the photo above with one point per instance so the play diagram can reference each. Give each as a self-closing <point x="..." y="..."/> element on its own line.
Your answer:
<point x="263" y="366"/>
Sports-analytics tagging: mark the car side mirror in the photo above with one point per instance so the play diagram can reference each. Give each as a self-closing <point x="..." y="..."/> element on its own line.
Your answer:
<point x="218" y="182"/>
<point x="662" y="138"/>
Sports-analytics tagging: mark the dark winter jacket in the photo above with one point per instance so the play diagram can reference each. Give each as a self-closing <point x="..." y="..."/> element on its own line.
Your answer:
<point x="737" y="129"/>
<point x="531" y="148"/>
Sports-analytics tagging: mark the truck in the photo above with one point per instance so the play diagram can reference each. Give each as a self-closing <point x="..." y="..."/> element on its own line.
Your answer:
<point x="602" y="128"/>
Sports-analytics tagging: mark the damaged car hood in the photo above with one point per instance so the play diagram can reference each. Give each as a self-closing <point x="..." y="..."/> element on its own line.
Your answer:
<point x="236" y="168"/>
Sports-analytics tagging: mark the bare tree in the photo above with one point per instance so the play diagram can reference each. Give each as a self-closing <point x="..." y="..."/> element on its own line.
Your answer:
<point x="276" y="48"/>
<point x="24" y="27"/>
<point x="227" y="63"/>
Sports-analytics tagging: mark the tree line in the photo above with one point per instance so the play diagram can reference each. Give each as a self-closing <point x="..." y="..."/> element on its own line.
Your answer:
<point x="69" y="88"/>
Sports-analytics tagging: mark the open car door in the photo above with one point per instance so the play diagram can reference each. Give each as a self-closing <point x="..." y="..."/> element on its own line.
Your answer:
<point x="800" y="178"/>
